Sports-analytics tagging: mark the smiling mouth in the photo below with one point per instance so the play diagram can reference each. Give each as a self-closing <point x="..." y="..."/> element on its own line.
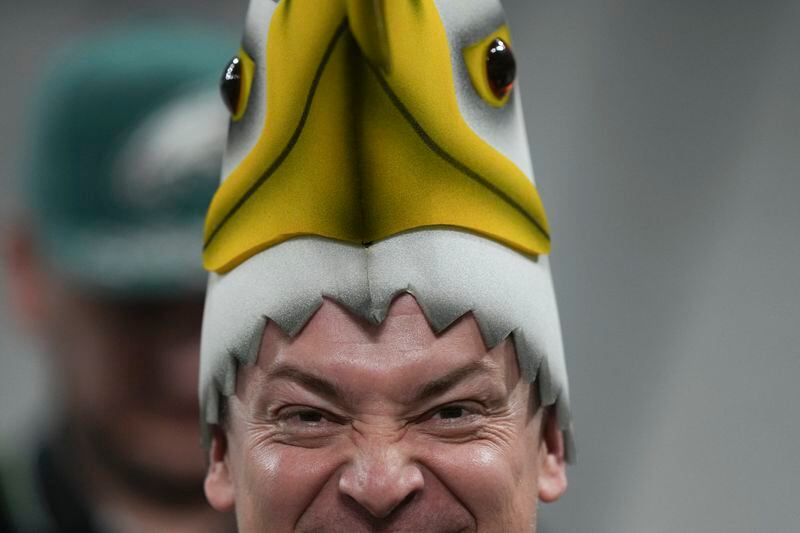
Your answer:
<point x="389" y="526"/>
<point x="389" y="529"/>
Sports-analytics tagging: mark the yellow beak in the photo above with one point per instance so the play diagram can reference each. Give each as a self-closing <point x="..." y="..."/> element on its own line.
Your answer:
<point x="363" y="139"/>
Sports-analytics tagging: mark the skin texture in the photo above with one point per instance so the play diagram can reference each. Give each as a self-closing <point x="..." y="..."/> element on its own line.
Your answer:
<point x="350" y="427"/>
<point x="125" y="372"/>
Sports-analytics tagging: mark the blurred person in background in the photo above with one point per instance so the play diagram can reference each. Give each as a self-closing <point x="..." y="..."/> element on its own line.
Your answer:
<point x="105" y="272"/>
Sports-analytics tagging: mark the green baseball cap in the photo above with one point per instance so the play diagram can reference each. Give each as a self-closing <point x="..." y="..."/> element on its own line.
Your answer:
<point x="125" y="155"/>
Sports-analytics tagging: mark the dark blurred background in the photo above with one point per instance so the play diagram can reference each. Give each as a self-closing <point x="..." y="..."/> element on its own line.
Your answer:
<point x="666" y="144"/>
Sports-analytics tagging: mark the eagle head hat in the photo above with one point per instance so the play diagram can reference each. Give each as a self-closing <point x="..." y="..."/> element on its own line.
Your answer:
<point x="377" y="147"/>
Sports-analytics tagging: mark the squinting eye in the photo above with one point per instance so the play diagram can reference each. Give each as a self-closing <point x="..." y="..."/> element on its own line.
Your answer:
<point x="452" y="411"/>
<point x="309" y="416"/>
<point x="501" y="68"/>
<point x="235" y="84"/>
<point x="231" y="85"/>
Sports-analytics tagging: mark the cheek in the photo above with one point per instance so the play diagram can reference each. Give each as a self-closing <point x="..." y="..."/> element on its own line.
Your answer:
<point x="497" y="483"/>
<point x="276" y="483"/>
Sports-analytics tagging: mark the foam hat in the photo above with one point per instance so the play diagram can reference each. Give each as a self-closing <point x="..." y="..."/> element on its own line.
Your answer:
<point x="377" y="147"/>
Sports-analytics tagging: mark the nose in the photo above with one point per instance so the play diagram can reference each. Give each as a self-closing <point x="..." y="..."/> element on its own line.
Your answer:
<point x="381" y="479"/>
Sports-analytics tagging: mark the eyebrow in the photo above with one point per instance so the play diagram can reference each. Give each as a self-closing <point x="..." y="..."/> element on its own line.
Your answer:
<point x="443" y="384"/>
<point x="314" y="383"/>
<point x="331" y="392"/>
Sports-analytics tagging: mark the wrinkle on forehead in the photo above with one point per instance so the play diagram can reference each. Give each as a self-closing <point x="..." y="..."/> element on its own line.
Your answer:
<point x="401" y="360"/>
<point x="342" y="325"/>
<point x="334" y="332"/>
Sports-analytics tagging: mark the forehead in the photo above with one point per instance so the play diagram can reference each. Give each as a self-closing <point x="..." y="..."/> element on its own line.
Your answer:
<point x="402" y="352"/>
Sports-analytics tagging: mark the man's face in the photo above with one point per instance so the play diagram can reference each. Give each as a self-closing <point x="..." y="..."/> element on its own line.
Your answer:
<point x="350" y="427"/>
<point x="128" y="374"/>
